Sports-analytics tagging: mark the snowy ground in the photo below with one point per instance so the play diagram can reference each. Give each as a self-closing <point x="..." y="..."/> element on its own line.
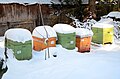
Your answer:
<point x="101" y="63"/>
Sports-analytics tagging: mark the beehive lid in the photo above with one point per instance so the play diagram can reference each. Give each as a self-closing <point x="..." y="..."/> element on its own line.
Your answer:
<point x="63" y="28"/>
<point x="40" y="32"/>
<point x="18" y="34"/>
<point x="102" y="25"/>
<point x="106" y="21"/>
<point x="82" y="32"/>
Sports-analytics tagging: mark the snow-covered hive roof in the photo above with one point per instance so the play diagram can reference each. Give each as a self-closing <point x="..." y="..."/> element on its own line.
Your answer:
<point x="18" y="34"/>
<point x="102" y="25"/>
<point x="40" y="32"/>
<point x="115" y="14"/>
<point x="27" y="1"/>
<point x="63" y="28"/>
<point x="106" y="20"/>
<point x="82" y="32"/>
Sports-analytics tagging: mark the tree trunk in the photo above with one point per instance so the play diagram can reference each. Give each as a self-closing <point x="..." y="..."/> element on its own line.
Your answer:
<point x="92" y="5"/>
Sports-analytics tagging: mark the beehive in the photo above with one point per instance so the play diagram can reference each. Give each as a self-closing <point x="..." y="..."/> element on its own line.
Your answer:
<point x="43" y="37"/>
<point x="66" y="35"/>
<point x="103" y="33"/>
<point x="83" y="39"/>
<point x="20" y="41"/>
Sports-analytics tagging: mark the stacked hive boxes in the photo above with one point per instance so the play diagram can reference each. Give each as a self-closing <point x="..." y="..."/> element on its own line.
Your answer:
<point x="103" y="33"/>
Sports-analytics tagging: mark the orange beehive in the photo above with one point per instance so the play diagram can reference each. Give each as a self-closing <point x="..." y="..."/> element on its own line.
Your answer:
<point x="42" y="43"/>
<point x="43" y="37"/>
<point x="83" y="44"/>
<point x="83" y="39"/>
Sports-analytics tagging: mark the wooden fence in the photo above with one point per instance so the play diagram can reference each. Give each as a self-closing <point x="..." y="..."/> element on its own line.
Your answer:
<point x="14" y="15"/>
<point x="4" y="26"/>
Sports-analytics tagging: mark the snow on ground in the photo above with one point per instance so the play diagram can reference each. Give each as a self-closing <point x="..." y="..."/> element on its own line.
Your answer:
<point x="1" y="42"/>
<point x="101" y="63"/>
<point x="2" y="47"/>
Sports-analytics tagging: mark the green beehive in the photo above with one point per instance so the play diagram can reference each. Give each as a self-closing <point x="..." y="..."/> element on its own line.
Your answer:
<point x="66" y="35"/>
<point x="21" y="45"/>
<point x="103" y="33"/>
<point x="67" y="40"/>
